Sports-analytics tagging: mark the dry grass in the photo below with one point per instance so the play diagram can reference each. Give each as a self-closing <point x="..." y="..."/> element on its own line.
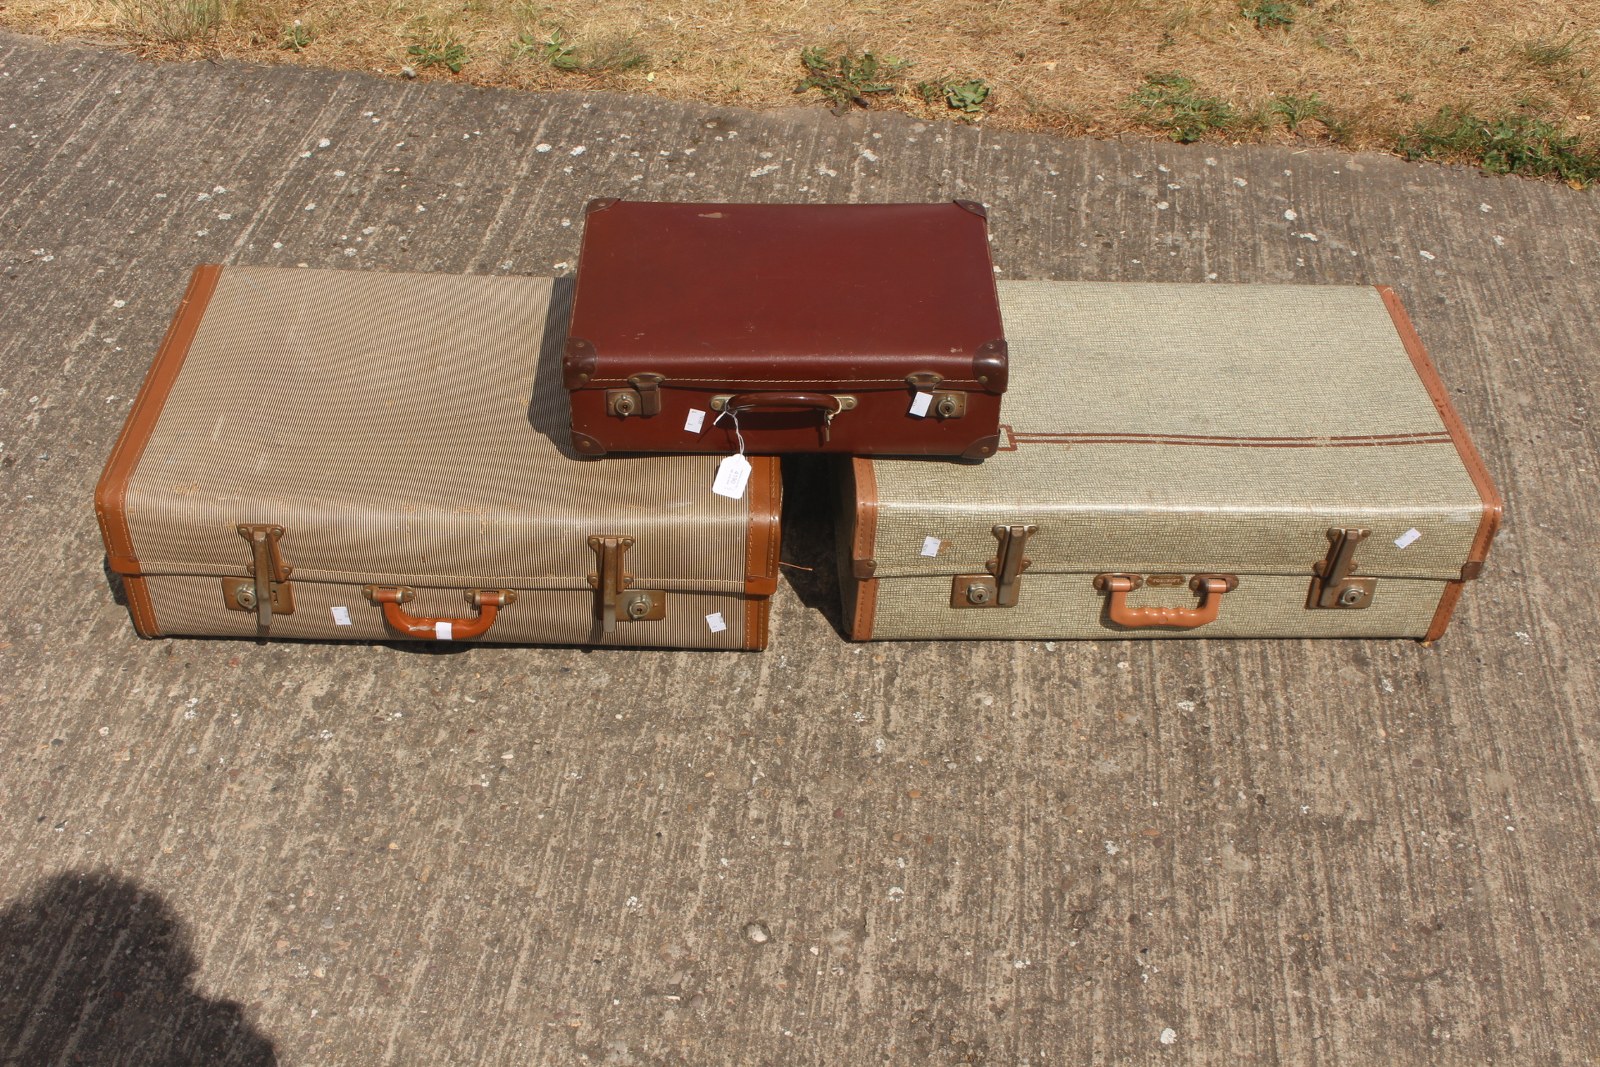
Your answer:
<point x="1361" y="72"/>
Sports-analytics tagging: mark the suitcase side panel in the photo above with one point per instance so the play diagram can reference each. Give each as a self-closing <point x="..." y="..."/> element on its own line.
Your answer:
<point x="880" y="423"/>
<point x="1067" y="607"/>
<point x="111" y="493"/>
<point x="192" y="606"/>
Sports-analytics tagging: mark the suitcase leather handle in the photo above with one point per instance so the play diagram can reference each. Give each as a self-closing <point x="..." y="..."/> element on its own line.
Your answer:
<point x="828" y="405"/>
<point x="750" y="401"/>
<point x="488" y="602"/>
<point x="1209" y="586"/>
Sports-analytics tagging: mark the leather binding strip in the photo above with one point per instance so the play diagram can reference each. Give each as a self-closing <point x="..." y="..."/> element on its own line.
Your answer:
<point x="862" y="548"/>
<point x="762" y="545"/>
<point x="1493" y="507"/>
<point x="111" y="494"/>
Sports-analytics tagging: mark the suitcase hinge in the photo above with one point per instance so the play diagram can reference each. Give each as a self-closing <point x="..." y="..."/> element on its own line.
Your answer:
<point x="1001" y="586"/>
<point x="944" y="403"/>
<point x="643" y="399"/>
<point x="615" y="599"/>
<point x="267" y="590"/>
<point x="1333" y="587"/>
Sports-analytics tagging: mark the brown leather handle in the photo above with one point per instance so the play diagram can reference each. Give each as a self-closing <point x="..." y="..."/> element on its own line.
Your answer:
<point x="487" y="601"/>
<point x="1209" y="586"/>
<point x="749" y="401"/>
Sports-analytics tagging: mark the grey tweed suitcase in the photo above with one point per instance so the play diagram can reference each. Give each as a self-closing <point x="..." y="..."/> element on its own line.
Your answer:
<point x="354" y="455"/>
<point x="1184" y="461"/>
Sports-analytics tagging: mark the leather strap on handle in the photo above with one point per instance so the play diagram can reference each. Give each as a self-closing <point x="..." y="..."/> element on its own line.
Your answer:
<point x="1209" y="586"/>
<point x="487" y="601"/>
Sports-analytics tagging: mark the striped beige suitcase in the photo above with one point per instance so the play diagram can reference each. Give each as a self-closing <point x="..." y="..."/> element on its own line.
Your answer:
<point x="1184" y="461"/>
<point x="351" y="455"/>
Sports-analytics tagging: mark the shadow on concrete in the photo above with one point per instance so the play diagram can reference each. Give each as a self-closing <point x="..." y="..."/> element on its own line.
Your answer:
<point x="95" y="970"/>
<point x="808" y="535"/>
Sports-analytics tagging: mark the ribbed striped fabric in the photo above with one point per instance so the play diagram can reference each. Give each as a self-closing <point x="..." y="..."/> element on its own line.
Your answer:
<point x="385" y="420"/>
<point x="1180" y="429"/>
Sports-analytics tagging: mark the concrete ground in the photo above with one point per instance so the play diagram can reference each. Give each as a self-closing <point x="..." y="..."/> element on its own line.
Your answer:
<point x="1023" y="853"/>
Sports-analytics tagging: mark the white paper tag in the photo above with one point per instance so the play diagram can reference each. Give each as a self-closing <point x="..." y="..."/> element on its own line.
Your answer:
<point x="695" y="422"/>
<point x="1406" y="539"/>
<point x="443" y="631"/>
<point x="732" y="474"/>
<point x="920" y="403"/>
<point x="714" y="621"/>
<point x="341" y="615"/>
<point x="931" y="546"/>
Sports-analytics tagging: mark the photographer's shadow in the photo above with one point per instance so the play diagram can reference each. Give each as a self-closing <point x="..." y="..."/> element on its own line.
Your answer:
<point x="95" y="970"/>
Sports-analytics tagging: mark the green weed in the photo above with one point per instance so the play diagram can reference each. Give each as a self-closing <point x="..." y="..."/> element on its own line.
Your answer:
<point x="1169" y="102"/>
<point x="847" y="78"/>
<point x="1548" y="54"/>
<point x="296" y="38"/>
<point x="1268" y="13"/>
<point x="1297" y="109"/>
<point x="1509" y="144"/>
<point x="605" y="56"/>
<point x="964" y="96"/>
<point x="440" y="50"/>
<point x="173" y="21"/>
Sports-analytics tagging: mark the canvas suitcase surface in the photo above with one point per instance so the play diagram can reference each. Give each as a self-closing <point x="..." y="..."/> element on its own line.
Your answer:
<point x="854" y="328"/>
<point x="1185" y="460"/>
<point x="351" y="455"/>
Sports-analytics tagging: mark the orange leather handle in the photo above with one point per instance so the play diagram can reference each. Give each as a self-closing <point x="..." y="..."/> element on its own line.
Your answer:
<point x="1209" y="586"/>
<point x="488" y="602"/>
<point x="748" y="401"/>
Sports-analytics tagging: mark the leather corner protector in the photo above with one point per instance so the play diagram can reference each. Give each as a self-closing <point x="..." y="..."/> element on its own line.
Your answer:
<point x="972" y="206"/>
<point x="982" y="448"/>
<point x="600" y="203"/>
<point x="863" y="569"/>
<point x="578" y="363"/>
<point x="1471" y="570"/>
<point x="991" y="365"/>
<point x="587" y="445"/>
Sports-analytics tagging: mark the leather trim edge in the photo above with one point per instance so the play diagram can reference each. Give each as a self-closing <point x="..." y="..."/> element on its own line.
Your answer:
<point x="1441" y="614"/>
<point x="862" y="546"/>
<point x="765" y="534"/>
<point x="1493" y="506"/>
<point x="972" y="206"/>
<point x="111" y="492"/>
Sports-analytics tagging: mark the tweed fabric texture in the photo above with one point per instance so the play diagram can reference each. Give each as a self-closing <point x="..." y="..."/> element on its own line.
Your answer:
<point x="1154" y="428"/>
<point x="385" y="421"/>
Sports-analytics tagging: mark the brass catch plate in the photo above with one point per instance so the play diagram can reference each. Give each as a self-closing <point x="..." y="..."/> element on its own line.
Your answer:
<point x="974" y="591"/>
<point x="239" y="594"/>
<point x="642" y="606"/>
<point x="948" y="405"/>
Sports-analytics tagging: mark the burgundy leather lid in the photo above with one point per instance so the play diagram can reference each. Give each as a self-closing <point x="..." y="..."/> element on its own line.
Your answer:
<point x="807" y="292"/>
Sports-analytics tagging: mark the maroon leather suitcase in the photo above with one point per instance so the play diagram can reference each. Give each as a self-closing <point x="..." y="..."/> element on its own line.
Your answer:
<point x="870" y="329"/>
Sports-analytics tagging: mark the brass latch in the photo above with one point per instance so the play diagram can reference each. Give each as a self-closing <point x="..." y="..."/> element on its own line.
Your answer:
<point x="943" y="403"/>
<point x="1333" y="587"/>
<point x="998" y="588"/>
<point x="615" y="600"/>
<point x="643" y="399"/>
<point x="267" y="590"/>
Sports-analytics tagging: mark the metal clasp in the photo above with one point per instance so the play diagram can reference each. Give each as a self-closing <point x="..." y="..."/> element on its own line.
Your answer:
<point x="1001" y="587"/>
<point x="943" y="403"/>
<point x="1333" y="586"/>
<point x="615" y="599"/>
<point x="643" y="399"/>
<point x="267" y="590"/>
